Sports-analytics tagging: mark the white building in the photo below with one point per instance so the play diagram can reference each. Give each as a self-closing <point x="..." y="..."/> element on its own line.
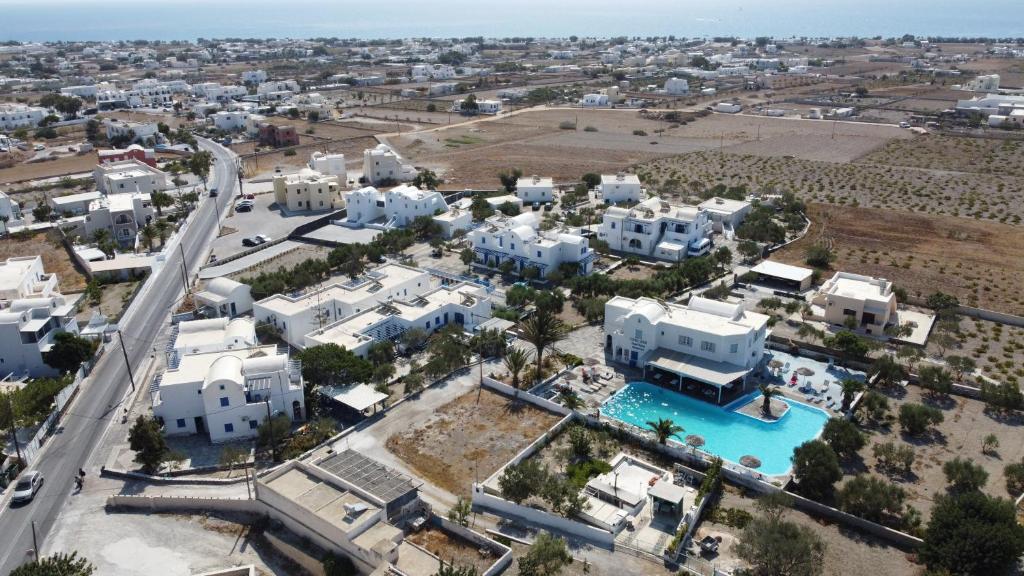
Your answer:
<point x="382" y="164"/>
<point x="677" y="87"/>
<point x="122" y="214"/>
<point x="210" y="335"/>
<point x="482" y="106"/>
<point x="728" y="107"/>
<point x="14" y="116"/>
<point x="869" y="302"/>
<point x="657" y="229"/>
<point x="465" y="305"/>
<point x="621" y="187"/>
<point x="254" y="77"/>
<point x="706" y="348"/>
<point x="277" y="87"/>
<point x="10" y="213"/>
<point x="233" y="121"/>
<point x="397" y="207"/>
<point x="296" y="316"/>
<point x="32" y="312"/>
<point x="85" y="91"/>
<point x="228" y="394"/>
<point x="223" y="297"/>
<point x="594" y="100"/>
<point x="518" y="239"/>
<point x="129" y="176"/>
<point x="307" y="190"/>
<point x="134" y="131"/>
<point x="330" y="164"/>
<point x="532" y="189"/>
<point x="725" y="213"/>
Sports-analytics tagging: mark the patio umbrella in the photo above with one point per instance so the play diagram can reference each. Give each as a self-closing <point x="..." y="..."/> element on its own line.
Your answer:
<point x="750" y="461"/>
<point x="695" y="440"/>
<point x="804" y="371"/>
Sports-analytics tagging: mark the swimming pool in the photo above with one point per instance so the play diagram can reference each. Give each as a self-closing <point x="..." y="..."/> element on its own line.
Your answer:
<point x="727" y="433"/>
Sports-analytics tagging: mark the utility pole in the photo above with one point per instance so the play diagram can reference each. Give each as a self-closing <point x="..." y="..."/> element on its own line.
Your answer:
<point x="184" y="267"/>
<point x="131" y="377"/>
<point x="14" y="432"/>
<point x="35" y="542"/>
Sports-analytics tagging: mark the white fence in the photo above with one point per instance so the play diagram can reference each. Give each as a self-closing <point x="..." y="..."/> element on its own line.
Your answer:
<point x="541" y="518"/>
<point x="31" y="449"/>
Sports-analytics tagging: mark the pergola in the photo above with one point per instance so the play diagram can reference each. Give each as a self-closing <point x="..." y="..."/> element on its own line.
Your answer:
<point x="689" y="371"/>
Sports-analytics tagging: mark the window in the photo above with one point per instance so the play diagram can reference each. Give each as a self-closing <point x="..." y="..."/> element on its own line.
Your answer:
<point x="253" y="424"/>
<point x="224" y="402"/>
<point x="734" y="348"/>
<point x="686" y="341"/>
<point x="638" y="334"/>
<point x="181" y="422"/>
<point x="538" y="253"/>
<point x="707" y="346"/>
<point x="613" y="225"/>
<point x="513" y="245"/>
<point x="229" y="427"/>
<point x="848" y="312"/>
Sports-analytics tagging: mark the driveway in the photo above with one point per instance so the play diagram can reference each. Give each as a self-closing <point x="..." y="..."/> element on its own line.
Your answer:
<point x="264" y="218"/>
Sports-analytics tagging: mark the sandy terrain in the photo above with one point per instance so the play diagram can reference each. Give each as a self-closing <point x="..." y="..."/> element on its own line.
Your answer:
<point x="470" y="440"/>
<point x="55" y="258"/>
<point x="954" y="154"/>
<point x="977" y="261"/>
<point x="50" y="168"/>
<point x="997" y="349"/>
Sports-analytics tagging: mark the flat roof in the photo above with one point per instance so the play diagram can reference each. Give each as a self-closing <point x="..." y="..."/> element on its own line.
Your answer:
<point x="380" y="279"/>
<point x="368" y="475"/>
<point x="667" y="491"/>
<point x="358" y="397"/>
<point x="724" y="205"/>
<point x="71" y="198"/>
<point x="709" y="371"/>
<point x="784" y="271"/>
<point x="323" y="499"/>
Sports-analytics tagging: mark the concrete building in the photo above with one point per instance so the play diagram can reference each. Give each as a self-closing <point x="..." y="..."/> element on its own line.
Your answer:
<point x="397" y="207"/>
<point x="130" y="131"/>
<point x="725" y="214"/>
<point x="518" y="239"/>
<point x="73" y="204"/>
<point x="129" y="176"/>
<point x="122" y="214"/>
<point x="132" y="152"/>
<point x="276" y="86"/>
<point x="382" y="164"/>
<point x="224" y="297"/>
<point x="277" y="136"/>
<point x="296" y="316"/>
<point x="307" y="190"/>
<point x="226" y="395"/>
<point x="657" y="229"/>
<point x="32" y="312"/>
<point x="532" y="189"/>
<point x="706" y="348"/>
<point x="621" y="187"/>
<point x="677" y="87"/>
<point x="10" y="213"/>
<point x="465" y="305"/>
<point x="14" y="116"/>
<point x="210" y="335"/>
<point x="869" y="302"/>
<point x="254" y="77"/>
<point x="489" y="107"/>
<point x="233" y="121"/>
<point x="330" y="164"/>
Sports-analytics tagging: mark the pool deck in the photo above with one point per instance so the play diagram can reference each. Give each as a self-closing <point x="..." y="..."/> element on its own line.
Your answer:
<point x="752" y="408"/>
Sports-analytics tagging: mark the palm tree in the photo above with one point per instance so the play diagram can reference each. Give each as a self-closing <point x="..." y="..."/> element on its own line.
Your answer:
<point x="149" y="234"/>
<point x="160" y="200"/>
<point x="664" y="428"/>
<point x="767" y="393"/>
<point x="570" y="399"/>
<point x="163" y="230"/>
<point x="850" y="389"/>
<point x="516" y="360"/>
<point x="542" y="330"/>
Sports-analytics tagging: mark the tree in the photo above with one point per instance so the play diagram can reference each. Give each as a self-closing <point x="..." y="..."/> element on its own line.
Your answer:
<point x="520" y="481"/>
<point x="893" y="459"/>
<point x="509" y="179"/>
<point x="104" y="241"/>
<point x="546" y="557"/>
<point x="489" y="343"/>
<point x="916" y="419"/>
<point x="543" y="329"/>
<point x="964" y="475"/>
<point x="748" y="249"/>
<point x="664" y="428"/>
<point x="467" y="256"/>
<point x="1003" y="397"/>
<point x="461" y="511"/>
<point x="330" y="364"/>
<point x="160" y="200"/>
<point x="843" y="436"/>
<point x="591" y="179"/>
<point x="935" y="379"/>
<point x="972" y="533"/>
<point x="448" y="351"/>
<point x="146" y="439"/>
<point x="273" y="432"/>
<point x="382" y="352"/>
<point x="819" y="256"/>
<point x="233" y="455"/>
<point x="516" y="361"/>
<point x="199" y="164"/>
<point x="335" y="565"/>
<point x="723" y="256"/>
<point x="960" y="365"/>
<point x="1014" y="477"/>
<point x="56" y="565"/>
<point x="816" y="468"/>
<point x="42" y="212"/>
<point x="774" y="546"/>
<point x="848" y="344"/>
<point x="767" y="393"/>
<point x="871" y="498"/>
<point x="943" y="304"/>
<point x="148" y="234"/>
<point x="887" y="371"/>
<point x="163" y="230"/>
<point x="850" y="389"/>
<point x="69" y="351"/>
<point x="412" y="338"/>
<point x="92" y="130"/>
<point x="470" y="105"/>
<point x="426" y="180"/>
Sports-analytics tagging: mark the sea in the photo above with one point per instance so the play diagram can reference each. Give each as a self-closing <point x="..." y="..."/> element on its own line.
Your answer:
<point x="105" y="20"/>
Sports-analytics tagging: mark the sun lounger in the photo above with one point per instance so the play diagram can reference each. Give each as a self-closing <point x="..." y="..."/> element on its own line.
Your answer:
<point x="817" y="400"/>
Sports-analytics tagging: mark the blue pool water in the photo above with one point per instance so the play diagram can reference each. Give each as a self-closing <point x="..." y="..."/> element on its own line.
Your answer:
<point x="727" y="433"/>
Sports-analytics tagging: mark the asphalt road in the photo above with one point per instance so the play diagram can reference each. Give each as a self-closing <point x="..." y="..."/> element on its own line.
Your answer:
<point x="82" y="427"/>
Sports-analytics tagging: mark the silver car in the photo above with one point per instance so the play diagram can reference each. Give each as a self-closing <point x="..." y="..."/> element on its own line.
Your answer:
<point x="27" y="486"/>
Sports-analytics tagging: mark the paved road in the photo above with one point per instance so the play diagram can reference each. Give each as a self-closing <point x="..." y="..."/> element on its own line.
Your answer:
<point x="75" y="446"/>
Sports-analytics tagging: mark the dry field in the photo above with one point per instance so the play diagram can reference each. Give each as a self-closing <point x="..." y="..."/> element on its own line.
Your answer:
<point x="997" y="349"/>
<point x="59" y="167"/>
<point x="450" y="548"/>
<point x="470" y="439"/>
<point x="979" y="262"/>
<point x="966" y="424"/>
<point x="990" y="196"/>
<point x="55" y="258"/>
<point x="950" y="153"/>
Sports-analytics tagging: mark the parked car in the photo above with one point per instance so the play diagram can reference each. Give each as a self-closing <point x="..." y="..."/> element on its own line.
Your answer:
<point x="244" y="203"/>
<point x="262" y="238"/>
<point x="904" y="124"/>
<point x="39" y="147"/>
<point x="250" y="242"/>
<point x="27" y="486"/>
<point x="213" y="192"/>
<point x="536" y="206"/>
<point x="243" y="208"/>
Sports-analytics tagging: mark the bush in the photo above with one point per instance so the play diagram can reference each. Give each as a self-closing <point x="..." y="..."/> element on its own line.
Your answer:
<point x="639" y="132"/>
<point x="590" y="129"/>
<point x="872" y="498"/>
<point x="964" y="475"/>
<point x="580" y="472"/>
<point x="843" y="436"/>
<point x="893" y="459"/>
<point x="567" y="125"/>
<point x="1014" y="478"/>
<point x="916" y="419"/>
<point x="819" y="256"/>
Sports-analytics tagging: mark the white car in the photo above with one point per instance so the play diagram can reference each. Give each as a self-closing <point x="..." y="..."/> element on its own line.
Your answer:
<point x="27" y="486"/>
<point x="39" y="147"/>
<point x="262" y="238"/>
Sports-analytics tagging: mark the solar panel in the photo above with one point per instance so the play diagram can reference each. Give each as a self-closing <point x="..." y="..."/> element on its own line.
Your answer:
<point x="368" y="475"/>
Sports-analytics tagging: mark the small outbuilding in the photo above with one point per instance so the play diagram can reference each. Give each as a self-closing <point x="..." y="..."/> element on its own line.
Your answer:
<point x="793" y="278"/>
<point x="224" y="297"/>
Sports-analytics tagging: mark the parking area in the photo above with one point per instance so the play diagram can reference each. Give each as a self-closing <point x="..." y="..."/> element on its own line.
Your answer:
<point x="264" y="218"/>
<point x="343" y="235"/>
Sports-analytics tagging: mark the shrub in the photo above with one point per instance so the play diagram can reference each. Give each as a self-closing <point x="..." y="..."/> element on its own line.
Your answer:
<point x="964" y="475"/>
<point x="1014" y="477"/>
<point x="590" y="129"/>
<point x="916" y="419"/>
<point x="843" y="436"/>
<point x="894" y="459"/>
<point x="639" y="132"/>
<point x="567" y="125"/>
<point x="580" y="472"/>
<point x="871" y="498"/>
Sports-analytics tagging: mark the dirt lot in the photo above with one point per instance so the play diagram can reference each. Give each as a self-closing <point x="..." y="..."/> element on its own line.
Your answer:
<point x="470" y="439"/>
<point x="965" y="426"/>
<point x="112" y="302"/>
<point x="55" y="258"/>
<point x="848" y="553"/>
<point x="50" y="168"/>
<point x="286" y="260"/>
<point x="997" y="349"/>
<point x="450" y="548"/>
<point x="977" y="261"/>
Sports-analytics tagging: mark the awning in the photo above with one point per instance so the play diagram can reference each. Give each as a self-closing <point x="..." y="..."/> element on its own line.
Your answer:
<point x="358" y="397"/>
<point x="667" y="492"/>
<point x="709" y="371"/>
